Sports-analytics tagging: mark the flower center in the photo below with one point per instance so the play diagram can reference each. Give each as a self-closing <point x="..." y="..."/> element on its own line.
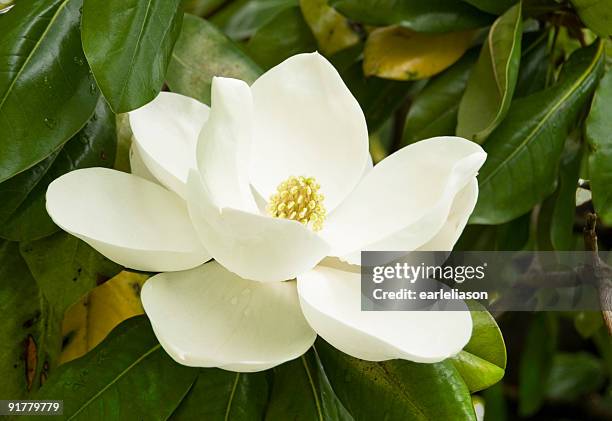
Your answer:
<point x="298" y="199"/>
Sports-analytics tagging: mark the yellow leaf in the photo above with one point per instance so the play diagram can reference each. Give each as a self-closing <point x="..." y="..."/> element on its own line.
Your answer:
<point x="87" y="322"/>
<point x="402" y="54"/>
<point x="331" y="30"/>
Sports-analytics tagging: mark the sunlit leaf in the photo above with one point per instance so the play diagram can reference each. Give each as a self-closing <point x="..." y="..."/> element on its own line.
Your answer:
<point x="332" y="30"/>
<point x="402" y="54"/>
<point x="596" y="14"/>
<point x="88" y="321"/>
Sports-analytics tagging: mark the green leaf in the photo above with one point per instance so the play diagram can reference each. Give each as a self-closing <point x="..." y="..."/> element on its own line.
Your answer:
<point x="495" y="403"/>
<point x="46" y="92"/>
<point x="511" y="236"/>
<point x="23" y="216"/>
<point x="596" y="14"/>
<point x="224" y="395"/>
<point x="489" y="90"/>
<point x="557" y="214"/>
<point x="396" y="389"/>
<point x="378" y="98"/>
<point x="130" y="360"/>
<point x="587" y="323"/>
<point x="534" y="66"/>
<point x="242" y="18"/>
<point x="66" y="268"/>
<point x="202" y="7"/>
<point x="332" y="30"/>
<point x="482" y="362"/>
<point x="598" y="130"/>
<point x="202" y="52"/>
<point x="128" y="45"/>
<point x="524" y="151"/>
<point x="434" y="110"/>
<point x="496" y="7"/>
<point x="574" y="375"/>
<point x="536" y="362"/>
<point x="283" y="36"/>
<point x="418" y="15"/>
<point x="301" y="391"/>
<point x="30" y="329"/>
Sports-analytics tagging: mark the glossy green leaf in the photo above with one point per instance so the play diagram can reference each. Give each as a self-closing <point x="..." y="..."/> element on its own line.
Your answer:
<point x="524" y="151"/>
<point x="94" y="387"/>
<point x="301" y="391"/>
<point x="598" y="136"/>
<point x="332" y="30"/>
<point x="280" y="38"/>
<point x="511" y="236"/>
<point x="434" y="110"/>
<point x="65" y="268"/>
<point x="492" y="6"/>
<point x="30" y="329"/>
<point x="23" y="216"/>
<point x="587" y="323"/>
<point x="202" y="52"/>
<point x="46" y="91"/>
<point x="418" y="15"/>
<point x="536" y="362"/>
<point x="224" y="395"/>
<point x="534" y="65"/>
<point x="128" y="45"/>
<point x="496" y="408"/>
<point x="242" y="18"/>
<point x="489" y="90"/>
<point x="396" y="389"/>
<point x="574" y="375"/>
<point x="596" y="14"/>
<point x="558" y="212"/>
<point x="482" y="362"/>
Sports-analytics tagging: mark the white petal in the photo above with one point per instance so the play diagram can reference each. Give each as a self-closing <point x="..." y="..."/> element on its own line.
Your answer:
<point x="331" y="301"/>
<point x="224" y="145"/>
<point x="138" y="167"/>
<point x="404" y="201"/>
<point x="209" y="317"/>
<point x="307" y="123"/>
<point x="132" y="221"/>
<point x="166" y="132"/>
<point x="460" y="212"/>
<point x="253" y="246"/>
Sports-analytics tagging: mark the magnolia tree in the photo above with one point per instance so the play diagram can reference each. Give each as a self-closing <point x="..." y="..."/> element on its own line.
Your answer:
<point x="186" y="188"/>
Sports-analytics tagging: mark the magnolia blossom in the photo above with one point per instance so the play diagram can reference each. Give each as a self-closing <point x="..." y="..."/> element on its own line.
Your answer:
<point x="275" y="183"/>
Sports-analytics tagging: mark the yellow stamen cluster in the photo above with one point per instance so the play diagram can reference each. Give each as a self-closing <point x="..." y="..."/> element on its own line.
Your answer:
<point x="298" y="199"/>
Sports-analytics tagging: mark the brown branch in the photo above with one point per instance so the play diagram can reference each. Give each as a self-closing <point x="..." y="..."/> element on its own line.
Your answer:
<point x="600" y="269"/>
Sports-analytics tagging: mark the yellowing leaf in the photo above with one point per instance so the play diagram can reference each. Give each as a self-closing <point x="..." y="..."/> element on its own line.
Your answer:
<point x="87" y="322"/>
<point x="331" y="30"/>
<point x="402" y="54"/>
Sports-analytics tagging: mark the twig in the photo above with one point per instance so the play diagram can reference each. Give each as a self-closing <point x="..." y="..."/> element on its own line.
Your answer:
<point x="600" y="270"/>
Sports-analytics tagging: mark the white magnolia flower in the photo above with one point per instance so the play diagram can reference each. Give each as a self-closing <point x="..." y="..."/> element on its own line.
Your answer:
<point x="272" y="180"/>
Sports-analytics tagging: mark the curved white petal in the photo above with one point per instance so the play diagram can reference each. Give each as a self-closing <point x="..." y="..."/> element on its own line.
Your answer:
<point x="253" y="246"/>
<point x="307" y="123"/>
<point x="460" y="212"/>
<point x="132" y="221"/>
<point x="224" y="145"/>
<point x="404" y="201"/>
<point x="138" y="167"/>
<point x="166" y="132"/>
<point x="331" y="300"/>
<point x="209" y="317"/>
